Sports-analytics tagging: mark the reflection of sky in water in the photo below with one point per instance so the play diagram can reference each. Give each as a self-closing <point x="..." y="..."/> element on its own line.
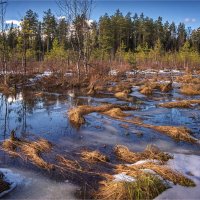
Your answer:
<point x="46" y="116"/>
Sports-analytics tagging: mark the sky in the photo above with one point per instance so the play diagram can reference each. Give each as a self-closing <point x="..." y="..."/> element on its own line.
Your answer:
<point x="177" y="10"/>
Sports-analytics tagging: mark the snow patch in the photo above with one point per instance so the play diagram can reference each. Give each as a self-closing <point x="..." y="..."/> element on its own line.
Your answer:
<point x="189" y="166"/>
<point x="12" y="178"/>
<point x="123" y="177"/>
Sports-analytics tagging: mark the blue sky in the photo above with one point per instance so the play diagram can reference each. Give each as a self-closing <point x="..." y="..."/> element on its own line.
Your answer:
<point x="177" y="11"/>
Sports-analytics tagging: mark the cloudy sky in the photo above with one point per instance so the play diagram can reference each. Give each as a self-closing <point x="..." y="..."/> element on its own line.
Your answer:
<point x="177" y="11"/>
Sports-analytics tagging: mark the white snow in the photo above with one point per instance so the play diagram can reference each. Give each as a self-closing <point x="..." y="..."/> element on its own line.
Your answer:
<point x="40" y="76"/>
<point x="32" y="185"/>
<point x="144" y="161"/>
<point x="189" y="165"/>
<point x="13" y="179"/>
<point x="123" y="177"/>
<point x="113" y="72"/>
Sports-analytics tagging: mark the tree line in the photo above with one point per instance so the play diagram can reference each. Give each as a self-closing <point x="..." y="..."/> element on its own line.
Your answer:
<point x="76" y="42"/>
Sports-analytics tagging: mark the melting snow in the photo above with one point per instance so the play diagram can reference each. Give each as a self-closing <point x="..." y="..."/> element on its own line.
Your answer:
<point x="189" y="166"/>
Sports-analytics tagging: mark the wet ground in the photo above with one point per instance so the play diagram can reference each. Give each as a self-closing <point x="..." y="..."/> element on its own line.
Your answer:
<point x="44" y="115"/>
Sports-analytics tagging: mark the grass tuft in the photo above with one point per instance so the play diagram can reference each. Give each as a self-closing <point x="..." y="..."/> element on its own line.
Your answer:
<point x="180" y="104"/>
<point x="93" y="156"/>
<point x="151" y="152"/>
<point x="28" y="150"/>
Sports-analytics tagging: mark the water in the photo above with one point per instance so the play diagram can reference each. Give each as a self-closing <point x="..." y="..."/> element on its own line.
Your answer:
<point x="44" y="115"/>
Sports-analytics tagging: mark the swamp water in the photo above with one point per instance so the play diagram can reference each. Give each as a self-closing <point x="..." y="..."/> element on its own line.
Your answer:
<point x="44" y="115"/>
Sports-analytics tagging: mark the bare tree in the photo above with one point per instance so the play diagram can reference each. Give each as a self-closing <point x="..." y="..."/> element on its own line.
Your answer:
<point x="77" y="13"/>
<point x="3" y="5"/>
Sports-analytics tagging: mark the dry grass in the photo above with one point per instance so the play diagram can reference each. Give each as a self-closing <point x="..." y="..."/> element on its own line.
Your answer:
<point x="116" y="113"/>
<point x="188" y="79"/>
<point x="29" y="150"/>
<point x="151" y="152"/>
<point x="120" y="87"/>
<point x="123" y="94"/>
<point x="147" y="90"/>
<point x="6" y="90"/>
<point x="71" y="165"/>
<point x="93" y="156"/>
<point x="168" y="174"/>
<point x="76" y="115"/>
<point x="166" y="88"/>
<point x="162" y="170"/>
<point x="145" y="187"/>
<point x="178" y="133"/>
<point x="180" y="104"/>
<point x="190" y="90"/>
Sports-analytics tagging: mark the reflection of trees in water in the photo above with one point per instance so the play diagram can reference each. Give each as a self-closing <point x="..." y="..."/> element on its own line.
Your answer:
<point x="16" y="111"/>
<point x="4" y="116"/>
<point x="19" y="108"/>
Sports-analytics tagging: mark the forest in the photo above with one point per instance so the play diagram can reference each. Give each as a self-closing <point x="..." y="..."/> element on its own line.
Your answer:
<point x="132" y="40"/>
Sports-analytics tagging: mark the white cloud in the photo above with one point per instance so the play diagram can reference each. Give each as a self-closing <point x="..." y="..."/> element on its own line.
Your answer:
<point x="190" y="20"/>
<point x="187" y="20"/>
<point x="15" y="22"/>
<point x="61" y="17"/>
<point x="193" y="20"/>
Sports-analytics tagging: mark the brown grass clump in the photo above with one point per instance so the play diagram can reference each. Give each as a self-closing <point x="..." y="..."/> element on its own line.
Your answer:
<point x="166" y="88"/>
<point x="190" y="90"/>
<point x="151" y="152"/>
<point x="123" y="94"/>
<point x="180" y="104"/>
<point x="28" y="150"/>
<point x="168" y="174"/>
<point x="145" y="187"/>
<point x="93" y="156"/>
<point x="188" y="79"/>
<point x="120" y="87"/>
<point x="178" y="133"/>
<point x="123" y="153"/>
<point x="146" y="90"/>
<point x="76" y="115"/>
<point x="162" y="170"/>
<point x="116" y="113"/>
